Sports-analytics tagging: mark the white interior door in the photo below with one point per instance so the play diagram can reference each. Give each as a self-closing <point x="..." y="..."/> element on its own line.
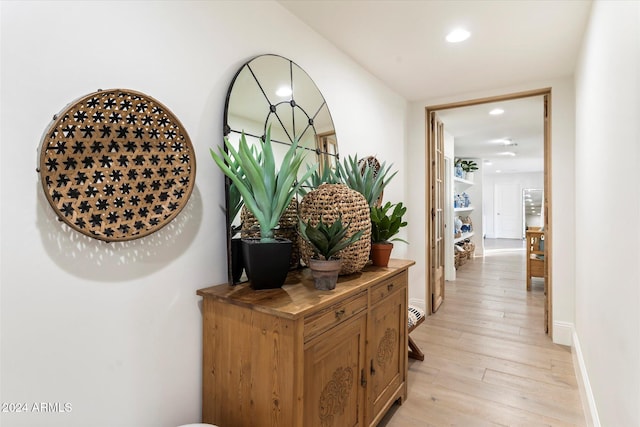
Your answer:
<point x="508" y="216"/>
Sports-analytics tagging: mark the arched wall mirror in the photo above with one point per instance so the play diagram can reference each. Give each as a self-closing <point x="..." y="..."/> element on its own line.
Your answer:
<point x="273" y="91"/>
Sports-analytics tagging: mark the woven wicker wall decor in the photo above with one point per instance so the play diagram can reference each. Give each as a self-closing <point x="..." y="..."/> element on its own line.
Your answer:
<point x="117" y="165"/>
<point x="331" y="201"/>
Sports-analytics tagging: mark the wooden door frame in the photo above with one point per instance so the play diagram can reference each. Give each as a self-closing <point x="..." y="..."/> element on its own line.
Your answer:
<point x="546" y="93"/>
<point x="435" y="128"/>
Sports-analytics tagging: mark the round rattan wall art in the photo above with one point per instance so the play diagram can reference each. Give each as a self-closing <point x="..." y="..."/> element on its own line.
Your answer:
<point x="117" y="165"/>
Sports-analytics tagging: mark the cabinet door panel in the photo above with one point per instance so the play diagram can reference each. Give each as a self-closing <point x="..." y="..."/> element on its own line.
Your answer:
<point x="334" y="369"/>
<point x="388" y="350"/>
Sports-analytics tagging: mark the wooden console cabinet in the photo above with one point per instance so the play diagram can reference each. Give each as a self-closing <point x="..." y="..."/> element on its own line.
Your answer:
<point x="297" y="356"/>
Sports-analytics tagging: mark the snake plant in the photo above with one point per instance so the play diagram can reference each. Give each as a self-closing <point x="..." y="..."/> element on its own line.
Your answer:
<point x="266" y="191"/>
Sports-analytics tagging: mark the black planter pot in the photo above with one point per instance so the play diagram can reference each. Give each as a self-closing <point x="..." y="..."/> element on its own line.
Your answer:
<point x="237" y="260"/>
<point x="266" y="263"/>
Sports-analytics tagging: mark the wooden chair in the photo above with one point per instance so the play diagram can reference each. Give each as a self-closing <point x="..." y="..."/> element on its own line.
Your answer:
<point x="416" y="317"/>
<point x="535" y="255"/>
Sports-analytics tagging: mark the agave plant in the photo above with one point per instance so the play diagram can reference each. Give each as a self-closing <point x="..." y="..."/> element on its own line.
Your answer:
<point x="235" y="198"/>
<point x="266" y="192"/>
<point x="328" y="240"/>
<point x="365" y="180"/>
<point x="385" y="224"/>
<point x="328" y="176"/>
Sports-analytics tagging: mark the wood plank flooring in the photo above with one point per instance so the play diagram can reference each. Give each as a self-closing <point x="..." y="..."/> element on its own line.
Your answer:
<point x="488" y="361"/>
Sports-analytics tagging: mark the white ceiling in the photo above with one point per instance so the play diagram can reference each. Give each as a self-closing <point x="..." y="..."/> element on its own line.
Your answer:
<point x="476" y="133"/>
<point x="512" y="42"/>
<point x="403" y="42"/>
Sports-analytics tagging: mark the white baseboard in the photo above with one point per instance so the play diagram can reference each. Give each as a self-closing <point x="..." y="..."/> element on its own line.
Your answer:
<point x="563" y="333"/>
<point x="418" y="303"/>
<point x="586" y="394"/>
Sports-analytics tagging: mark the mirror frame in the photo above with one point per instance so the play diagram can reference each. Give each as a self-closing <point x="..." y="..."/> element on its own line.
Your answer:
<point x="326" y="139"/>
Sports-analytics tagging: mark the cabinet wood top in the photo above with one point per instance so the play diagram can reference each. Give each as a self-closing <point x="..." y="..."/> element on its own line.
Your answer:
<point x="298" y="295"/>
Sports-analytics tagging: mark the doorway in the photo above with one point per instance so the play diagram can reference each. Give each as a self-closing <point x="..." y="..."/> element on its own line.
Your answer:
<point x="512" y="224"/>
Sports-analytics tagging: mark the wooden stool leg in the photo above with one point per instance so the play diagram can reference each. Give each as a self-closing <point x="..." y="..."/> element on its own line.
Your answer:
<point x="415" y="352"/>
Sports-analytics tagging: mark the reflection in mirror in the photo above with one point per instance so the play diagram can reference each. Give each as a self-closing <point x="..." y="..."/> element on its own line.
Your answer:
<point x="327" y="144"/>
<point x="532" y="208"/>
<point x="272" y="91"/>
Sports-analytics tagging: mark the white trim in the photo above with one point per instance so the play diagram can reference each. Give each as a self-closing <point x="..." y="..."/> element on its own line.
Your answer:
<point x="418" y="303"/>
<point x="563" y="333"/>
<point x="586" y="394"/>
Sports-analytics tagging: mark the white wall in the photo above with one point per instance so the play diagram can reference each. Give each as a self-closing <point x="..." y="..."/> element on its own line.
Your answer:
<point x="562" y="136"/>
<point x="608" y="211"/>
<point x="115" y="329"/>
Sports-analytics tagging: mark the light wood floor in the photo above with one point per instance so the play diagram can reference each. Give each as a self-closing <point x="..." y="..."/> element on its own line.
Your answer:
<point x="487" y="360"/>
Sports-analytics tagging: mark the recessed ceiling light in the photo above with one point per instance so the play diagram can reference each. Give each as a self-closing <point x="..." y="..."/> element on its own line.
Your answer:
<point x="496" y="111"/>
<point x="458" y="35"/>
<point x="488" y="162"/>
<point x="507" y="153"/>
<point x="284" y="91"/>
<point x="498" y="171"/>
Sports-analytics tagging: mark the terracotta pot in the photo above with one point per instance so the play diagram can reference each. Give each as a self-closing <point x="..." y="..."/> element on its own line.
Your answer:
<point x="325" y="273"/>
<point x="380" y="253"/>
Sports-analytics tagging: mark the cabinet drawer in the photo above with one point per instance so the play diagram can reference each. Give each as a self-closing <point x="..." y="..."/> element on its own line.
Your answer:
<point x="386" y="288"/>
<point x="318" y="322"/>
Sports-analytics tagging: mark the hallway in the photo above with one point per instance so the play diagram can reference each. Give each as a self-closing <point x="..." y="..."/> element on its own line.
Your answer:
<point x="487" y="358"/>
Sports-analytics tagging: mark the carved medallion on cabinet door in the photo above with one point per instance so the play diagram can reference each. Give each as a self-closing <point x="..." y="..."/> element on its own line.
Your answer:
<point x="387" y="347"/>
<point x="335" y="384"/>
<point x="334" y="395"/>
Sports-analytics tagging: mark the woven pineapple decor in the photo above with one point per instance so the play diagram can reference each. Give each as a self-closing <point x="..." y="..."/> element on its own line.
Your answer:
<point x="287" y="229"/>
<point x="331" y="201"/>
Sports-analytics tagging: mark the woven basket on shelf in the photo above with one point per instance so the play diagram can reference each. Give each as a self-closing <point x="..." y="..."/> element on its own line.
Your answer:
<point x="457" y="260"/>
<point x="287" y="229"/>
<point x="470" y="247"/>
<point x="331" y="201"/>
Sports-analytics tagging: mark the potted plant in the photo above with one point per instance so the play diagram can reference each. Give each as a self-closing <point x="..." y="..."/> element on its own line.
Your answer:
<point x="469" y="166"/>
<point x="364" y="179"/>
<point x="266" y="192"/>
<point x="385" y="223"/>
<point x="316" y="179"/>
<point x="327" y="240"/>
